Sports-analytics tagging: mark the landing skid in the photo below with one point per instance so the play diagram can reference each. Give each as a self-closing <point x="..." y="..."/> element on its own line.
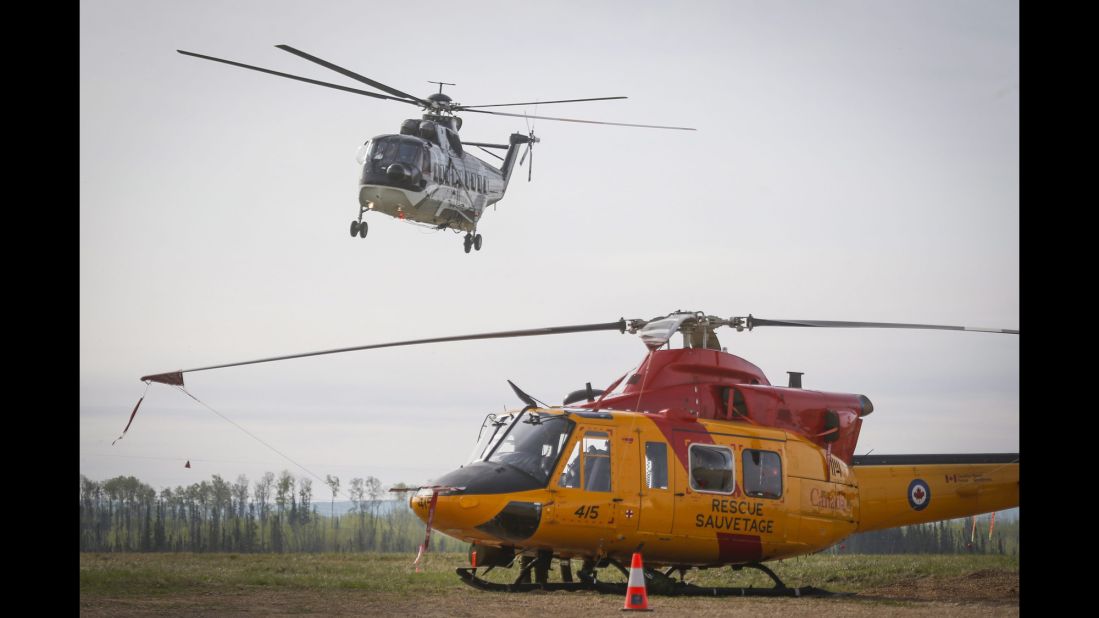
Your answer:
<point x="656" y="583"/>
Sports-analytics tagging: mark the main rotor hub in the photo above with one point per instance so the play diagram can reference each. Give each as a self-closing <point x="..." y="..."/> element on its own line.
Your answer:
<point x="439" y="99"/>
<point x="697" y="329"/>
<point x="441" y="103"/>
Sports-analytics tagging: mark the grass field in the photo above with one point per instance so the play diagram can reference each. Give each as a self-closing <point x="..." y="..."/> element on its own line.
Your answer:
<point x="386" y="584"/>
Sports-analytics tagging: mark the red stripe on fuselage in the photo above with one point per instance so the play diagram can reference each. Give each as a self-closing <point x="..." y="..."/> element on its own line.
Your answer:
<point x="682" y="443"/>
<point x="738" y="548"/>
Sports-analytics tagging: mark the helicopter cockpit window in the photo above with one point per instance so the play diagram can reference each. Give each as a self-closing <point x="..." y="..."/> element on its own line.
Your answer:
<point x="533" y="444"/>
<point x="762" y="473"/>
<point x="589" y="465"/>
<point x="455" y="143"/>
<point x="384" y="152"/>
<point x="363" y="152"/>
<point x="656" y="465"/>
<point x="492" y="429"/>
<point x="409" y="152"/>
<point x="711" y="468"/>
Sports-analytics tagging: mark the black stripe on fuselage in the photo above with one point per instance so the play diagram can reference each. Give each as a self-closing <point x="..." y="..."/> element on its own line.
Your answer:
<point x="918" y="460"/>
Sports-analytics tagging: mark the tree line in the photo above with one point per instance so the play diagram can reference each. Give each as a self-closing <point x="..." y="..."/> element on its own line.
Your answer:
<point x="956" y="536"/>
<point x="272" y="514"/>
<point x="280" y="514"/>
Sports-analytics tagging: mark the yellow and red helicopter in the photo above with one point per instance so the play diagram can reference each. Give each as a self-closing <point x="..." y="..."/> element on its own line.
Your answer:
<point x="424" y="174"/>
<point x="693" y="458"/>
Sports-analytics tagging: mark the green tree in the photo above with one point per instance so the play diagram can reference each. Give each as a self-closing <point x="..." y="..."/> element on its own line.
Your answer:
<point x="262" y="495"/>
<point x="357" y="493"/>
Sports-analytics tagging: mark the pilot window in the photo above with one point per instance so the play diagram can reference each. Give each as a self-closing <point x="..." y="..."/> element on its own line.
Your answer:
<point x="762" y="473"/>
<point x="387" y="151"/>
<point x="410" y="153"/>
<point x="533" y="444"/>
<point x="711" y="468"/>
<point x="383" y="150"/>
<point x="656" y="465"/>
<point x="589" y="465"/>
<point x="570" y="474"/>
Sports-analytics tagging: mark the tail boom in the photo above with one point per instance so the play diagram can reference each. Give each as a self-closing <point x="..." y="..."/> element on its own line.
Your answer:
<point x="900" y="490"/>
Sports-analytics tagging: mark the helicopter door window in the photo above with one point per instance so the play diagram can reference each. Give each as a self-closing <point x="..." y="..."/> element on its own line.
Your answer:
<point x="597" y="461"/>
<point x="762" y="473"/>
<point x="592" y="455"/>
<point x="656" y="465"/>
<point x="711" y="468"/>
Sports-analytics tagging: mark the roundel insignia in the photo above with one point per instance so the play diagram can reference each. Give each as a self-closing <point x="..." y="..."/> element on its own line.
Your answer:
<point x="919" y="495"/>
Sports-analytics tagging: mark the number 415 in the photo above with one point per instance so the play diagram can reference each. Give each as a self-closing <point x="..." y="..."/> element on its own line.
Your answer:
<point x="587" y="512"/>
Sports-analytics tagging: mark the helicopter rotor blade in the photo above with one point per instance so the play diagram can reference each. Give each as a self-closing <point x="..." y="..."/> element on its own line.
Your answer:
<point x="353" y="75"/>
<point x="176" y="377"/>
<point x="295" y="77"/>
<point x="751" y="322"/>
<point x="528" y="150"/>
<point x="463" y="107"/>
<point x="617" y="124"/>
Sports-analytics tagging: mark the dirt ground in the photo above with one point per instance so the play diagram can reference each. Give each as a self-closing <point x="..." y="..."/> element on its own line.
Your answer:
<point x="983" y="593"/>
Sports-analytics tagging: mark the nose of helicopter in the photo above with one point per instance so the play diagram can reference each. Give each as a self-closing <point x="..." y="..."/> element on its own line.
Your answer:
<point x="467" y="505"/>
<point x="473" y="518"/>
<point x="449" y="511"/>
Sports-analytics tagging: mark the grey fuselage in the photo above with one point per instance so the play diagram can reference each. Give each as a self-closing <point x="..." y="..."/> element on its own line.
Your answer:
<point x="424" y="175"/>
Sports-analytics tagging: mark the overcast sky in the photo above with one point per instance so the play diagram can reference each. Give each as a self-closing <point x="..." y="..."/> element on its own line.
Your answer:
<point x="853" y="161"/>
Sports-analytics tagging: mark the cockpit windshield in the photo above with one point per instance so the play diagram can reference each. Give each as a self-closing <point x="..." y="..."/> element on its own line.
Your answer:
<point x="393" y="150"/>
<point x="533" y="444"/>
<point x="363" y="152"/>
<point x="492" y="429"/>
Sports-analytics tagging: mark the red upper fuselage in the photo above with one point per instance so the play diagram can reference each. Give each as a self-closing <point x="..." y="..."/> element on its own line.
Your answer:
<point x="711" y="384"/>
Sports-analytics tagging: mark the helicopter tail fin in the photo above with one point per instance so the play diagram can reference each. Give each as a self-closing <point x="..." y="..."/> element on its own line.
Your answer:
<point x="516" y="141"/>
<point x="900" y="490"/>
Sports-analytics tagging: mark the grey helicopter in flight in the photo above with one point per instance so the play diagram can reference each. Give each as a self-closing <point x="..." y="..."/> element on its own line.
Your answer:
<point x="424" y="174"/>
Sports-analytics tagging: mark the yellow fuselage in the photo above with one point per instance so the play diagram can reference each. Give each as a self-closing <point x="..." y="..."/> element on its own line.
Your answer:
<point x="696" y="492"/>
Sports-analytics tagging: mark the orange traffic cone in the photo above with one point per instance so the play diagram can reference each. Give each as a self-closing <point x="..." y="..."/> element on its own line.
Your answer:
<point x="636" y="597"/>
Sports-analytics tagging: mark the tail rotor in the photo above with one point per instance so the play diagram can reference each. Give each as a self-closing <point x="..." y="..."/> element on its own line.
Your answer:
<point x="529" y="150"/>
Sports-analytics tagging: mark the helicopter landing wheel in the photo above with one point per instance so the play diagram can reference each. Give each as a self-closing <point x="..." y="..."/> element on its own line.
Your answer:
<point x="363" y="227"/>
<point x="468" y="244"/>
<point x="477" y="242"/>
<point x="354" y="228"/>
